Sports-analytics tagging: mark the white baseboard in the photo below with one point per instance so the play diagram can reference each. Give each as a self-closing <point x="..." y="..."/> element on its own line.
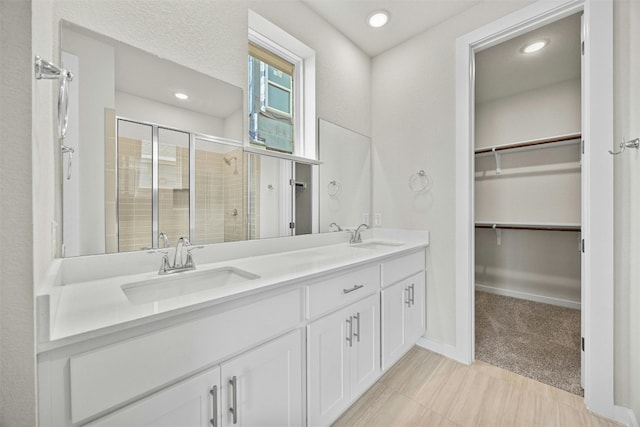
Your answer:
<point x="446" y="350"/>
<point x="625" y="416"/>
<point x="527" y="296"/>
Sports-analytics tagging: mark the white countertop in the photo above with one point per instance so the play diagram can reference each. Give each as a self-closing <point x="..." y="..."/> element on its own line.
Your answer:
<point x="82" y="308"/>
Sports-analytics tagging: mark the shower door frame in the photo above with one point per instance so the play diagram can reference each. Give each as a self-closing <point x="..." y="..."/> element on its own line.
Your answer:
<point x="597" y="184"/>
<point x="155" y="184"/>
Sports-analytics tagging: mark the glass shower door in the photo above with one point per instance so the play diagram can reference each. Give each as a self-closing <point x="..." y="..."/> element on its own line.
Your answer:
<point x="173" y="184"/>
<point x="132" y="196"/>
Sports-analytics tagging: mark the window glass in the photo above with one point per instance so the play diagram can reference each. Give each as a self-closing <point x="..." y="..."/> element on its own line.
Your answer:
<point x="271" y="115"/>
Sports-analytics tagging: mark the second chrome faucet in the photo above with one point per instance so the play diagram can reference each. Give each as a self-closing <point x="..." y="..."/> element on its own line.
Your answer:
<point x="355" y="234"/>
<point x="178" y="265"/>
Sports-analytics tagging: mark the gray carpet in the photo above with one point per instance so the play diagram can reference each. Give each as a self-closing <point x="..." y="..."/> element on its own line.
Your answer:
<point x="539" y="341"/>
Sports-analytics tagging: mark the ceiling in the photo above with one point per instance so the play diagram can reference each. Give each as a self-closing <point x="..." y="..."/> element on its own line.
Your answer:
<point x="149" y="76"/>
<point x="407" y="19"/>
<point x="502" y="70"/>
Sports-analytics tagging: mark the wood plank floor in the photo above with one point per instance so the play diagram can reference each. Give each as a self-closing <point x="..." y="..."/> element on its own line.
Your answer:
<point x="426" y="389"/>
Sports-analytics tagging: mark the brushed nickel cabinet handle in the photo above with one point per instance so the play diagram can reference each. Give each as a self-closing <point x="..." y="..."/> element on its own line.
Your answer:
<point x="408" y="292"/>
<point x="214" y="394"/>
<point x="234" y="399"/>
<point x="357" y="334"/>
<point x="413" y="293"/>
<point x="350" y="337"/>
<point x="355" y="288"/>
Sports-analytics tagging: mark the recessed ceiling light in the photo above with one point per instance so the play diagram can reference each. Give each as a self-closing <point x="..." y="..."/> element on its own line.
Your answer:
<point x="378" y="18"/>
<point x="535" y="46"/>
<point x="181" y="95"/>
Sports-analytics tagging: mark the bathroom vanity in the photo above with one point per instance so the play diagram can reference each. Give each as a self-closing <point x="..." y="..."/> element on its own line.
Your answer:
<point x="279" y="338"/>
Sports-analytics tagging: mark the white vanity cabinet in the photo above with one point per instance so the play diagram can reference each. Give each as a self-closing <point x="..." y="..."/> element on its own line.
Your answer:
<point x="261" y="387"/>
<point x="264" y="387"/>
<point x="191" y="403"/>
<point x="403" y="306"/>
<point x="241" y="361"/>
<point x="257" y="339"/>
<point x="344" y="346"/>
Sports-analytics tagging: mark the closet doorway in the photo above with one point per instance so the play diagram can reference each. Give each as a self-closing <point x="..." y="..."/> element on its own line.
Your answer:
<point x="528" y="210"/>
<point x="597" y="218"/>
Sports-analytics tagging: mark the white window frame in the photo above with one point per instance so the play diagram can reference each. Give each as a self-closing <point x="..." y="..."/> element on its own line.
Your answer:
<point x="271" y="37"/>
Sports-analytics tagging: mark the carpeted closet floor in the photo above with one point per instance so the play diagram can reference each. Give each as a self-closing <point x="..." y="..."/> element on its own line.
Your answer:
<point x="539" y="341"/>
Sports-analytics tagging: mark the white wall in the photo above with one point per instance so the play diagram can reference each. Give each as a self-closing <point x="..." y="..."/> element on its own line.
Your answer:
<point x="233" y="126"/>
<point x="143" y="109"/>
<point x="544" y="112"/>
<point x="95" y="87"/>
<point x="19" y="106"/>
<point x="413" y="128"/>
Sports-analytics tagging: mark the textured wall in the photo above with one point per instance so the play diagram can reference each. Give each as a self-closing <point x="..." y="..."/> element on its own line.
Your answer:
<point x="413" y="128"/>
<point x="17" y="373"/>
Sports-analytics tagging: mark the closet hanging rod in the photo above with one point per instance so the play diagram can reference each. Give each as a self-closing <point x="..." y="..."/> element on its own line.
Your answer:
<point x="545" y="227"/>
<point x="564" y="139"/>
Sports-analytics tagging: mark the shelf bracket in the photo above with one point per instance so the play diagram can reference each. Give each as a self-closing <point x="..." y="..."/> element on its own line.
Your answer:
<point x="498" y="234"/>
<point x="497" y="157"/>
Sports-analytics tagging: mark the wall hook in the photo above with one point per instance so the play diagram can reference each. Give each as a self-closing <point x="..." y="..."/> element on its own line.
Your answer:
<point x="634" y="143"/>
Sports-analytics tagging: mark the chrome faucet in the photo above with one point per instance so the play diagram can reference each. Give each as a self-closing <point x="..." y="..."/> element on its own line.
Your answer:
<point x="182" y="243"/>
<point x="355" y="235"/>
<point x="178" y="266"/>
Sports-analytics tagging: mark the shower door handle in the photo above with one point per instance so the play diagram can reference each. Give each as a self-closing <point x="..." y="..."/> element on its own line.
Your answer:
<point x="69" y="151"/>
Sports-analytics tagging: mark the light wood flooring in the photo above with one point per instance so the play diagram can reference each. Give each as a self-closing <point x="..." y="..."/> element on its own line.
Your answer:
<point x="426" y="389"/>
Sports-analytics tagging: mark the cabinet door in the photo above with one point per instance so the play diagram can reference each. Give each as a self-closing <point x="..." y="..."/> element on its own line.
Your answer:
<point x="328" y="367"/>
<point x="190" y="403"/>
<point x="365" y="352"/>
<point x="415" y="313"/>
<point x="263" y="387"/>
<point x="395" y="301"/>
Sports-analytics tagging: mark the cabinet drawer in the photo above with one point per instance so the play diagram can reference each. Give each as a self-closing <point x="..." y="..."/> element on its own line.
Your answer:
<point x="338" y="290"/>
<point x="106" y="377"/>
<point x="402" y="267"/>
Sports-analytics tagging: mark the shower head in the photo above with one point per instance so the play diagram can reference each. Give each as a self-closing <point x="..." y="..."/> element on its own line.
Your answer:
<point x="228" y="162"/>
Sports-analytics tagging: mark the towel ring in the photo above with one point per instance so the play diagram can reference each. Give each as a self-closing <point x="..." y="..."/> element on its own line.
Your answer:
<point x="334" y="188"/>
<point x="420" y="181"/>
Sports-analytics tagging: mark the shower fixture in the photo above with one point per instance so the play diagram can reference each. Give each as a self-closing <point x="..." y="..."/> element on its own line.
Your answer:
<point x="235" y="164"/>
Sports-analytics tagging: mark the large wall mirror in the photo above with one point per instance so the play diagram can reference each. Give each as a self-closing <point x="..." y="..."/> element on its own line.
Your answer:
<point x="345" y="177"/>
<point x="147" y="164"/>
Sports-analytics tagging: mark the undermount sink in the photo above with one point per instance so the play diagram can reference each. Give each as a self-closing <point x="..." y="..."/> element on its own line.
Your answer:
<point x="180" y="284"/>
<point x="377" y="244"/>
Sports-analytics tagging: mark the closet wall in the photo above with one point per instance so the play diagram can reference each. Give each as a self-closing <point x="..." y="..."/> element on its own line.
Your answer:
<point x="535" y="186"/>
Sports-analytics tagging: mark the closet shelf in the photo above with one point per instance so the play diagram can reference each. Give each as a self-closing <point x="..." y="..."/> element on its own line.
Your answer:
<point x="555" y="141"/>
<point x="528" y="226"/>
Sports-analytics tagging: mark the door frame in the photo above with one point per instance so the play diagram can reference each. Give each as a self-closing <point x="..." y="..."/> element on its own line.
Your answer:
<point x="597" y="183"/>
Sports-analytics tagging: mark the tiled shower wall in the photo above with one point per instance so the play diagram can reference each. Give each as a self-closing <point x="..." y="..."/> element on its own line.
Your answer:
<point x="209" y="193"/>
<point x="235" y="225"/>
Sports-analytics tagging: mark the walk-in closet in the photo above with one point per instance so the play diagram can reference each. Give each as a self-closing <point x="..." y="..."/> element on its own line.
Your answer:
<point x="528" y="204"/>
